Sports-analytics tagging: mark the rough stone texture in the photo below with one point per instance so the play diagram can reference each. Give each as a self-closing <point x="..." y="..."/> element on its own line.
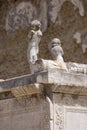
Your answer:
<point x="14" y="43"/>
<point x="81" y="38"/>
<point x="56" y="6"/>
<point x="21" y="14"/>
<point x="27" y="90"/>
<point x="26" y="113"/>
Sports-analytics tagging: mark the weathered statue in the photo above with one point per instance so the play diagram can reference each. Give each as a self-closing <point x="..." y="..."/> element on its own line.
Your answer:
<point x="58" y="62"/>
<point x="35" y="38"/>
<point x="57" y="52"/>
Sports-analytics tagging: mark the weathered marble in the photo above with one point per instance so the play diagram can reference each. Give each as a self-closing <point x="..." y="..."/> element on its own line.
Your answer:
<point x="57" y="76"/>
<point x="35" y="38"/>
<point x="55" y="105"/>
<point x="76" y="68"/>
<point x="51" y="98"/>
<point x="70" y="112"/>
<point x="66" y="82"/>
<point x="30" y="113"/>
<point x="72" y="67"/>
<point x="57" y="52"/>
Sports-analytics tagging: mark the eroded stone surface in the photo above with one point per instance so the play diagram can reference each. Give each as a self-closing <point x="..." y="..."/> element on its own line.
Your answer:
<point x="81" y="38"/>
<point x="56" y="6"/>
<point x="20" y="16"/>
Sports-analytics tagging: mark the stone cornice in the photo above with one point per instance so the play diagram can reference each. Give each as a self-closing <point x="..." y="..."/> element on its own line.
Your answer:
<point x="62" y="81"/>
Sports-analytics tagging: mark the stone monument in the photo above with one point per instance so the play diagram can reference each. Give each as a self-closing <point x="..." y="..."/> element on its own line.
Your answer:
<point x="33" y="50"/>
<point x="53" y="97"/>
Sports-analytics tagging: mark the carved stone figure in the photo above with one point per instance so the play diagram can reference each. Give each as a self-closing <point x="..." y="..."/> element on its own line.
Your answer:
<point x="35" y="38"/>
<point x="57" y="52"/>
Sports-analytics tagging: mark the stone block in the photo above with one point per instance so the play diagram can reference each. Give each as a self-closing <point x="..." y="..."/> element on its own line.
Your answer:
<point x="25" y="113"/>
<point x="70" y="112"/>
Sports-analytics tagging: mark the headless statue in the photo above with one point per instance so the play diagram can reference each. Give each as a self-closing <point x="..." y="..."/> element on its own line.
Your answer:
<point x="33" y="47"/>
<point x="57" y="52"/>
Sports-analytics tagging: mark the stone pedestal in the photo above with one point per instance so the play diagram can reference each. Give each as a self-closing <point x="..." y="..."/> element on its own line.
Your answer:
<point x="48" y="100"/>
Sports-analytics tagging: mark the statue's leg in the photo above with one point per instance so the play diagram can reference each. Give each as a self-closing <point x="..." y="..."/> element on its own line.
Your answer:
<point x="33" y="55"/>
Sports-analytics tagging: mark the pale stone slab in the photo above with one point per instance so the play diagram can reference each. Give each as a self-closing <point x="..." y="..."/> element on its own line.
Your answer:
<point x="70" y="112"/>
<point x="25" y="113"/>
<point x="78" y="119"/>
<point x="60" y="77"/>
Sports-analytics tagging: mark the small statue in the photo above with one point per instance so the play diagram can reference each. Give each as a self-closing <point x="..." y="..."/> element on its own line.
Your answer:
<point x="35" y="38"/>
<point x="57" y="52"/>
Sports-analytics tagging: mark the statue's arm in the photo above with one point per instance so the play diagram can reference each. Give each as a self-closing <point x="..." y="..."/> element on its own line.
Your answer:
<point x="39" y="34"/>
<point x="30" y="34"/>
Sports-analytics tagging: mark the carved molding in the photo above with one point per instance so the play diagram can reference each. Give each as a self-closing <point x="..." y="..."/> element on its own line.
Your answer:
<point x="59" y="122"/>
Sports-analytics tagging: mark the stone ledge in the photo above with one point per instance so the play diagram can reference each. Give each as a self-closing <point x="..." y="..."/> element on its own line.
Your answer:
<point x="17" y="82"/>
<point x="48" y="77"/>
<point x="60" y="77"/>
